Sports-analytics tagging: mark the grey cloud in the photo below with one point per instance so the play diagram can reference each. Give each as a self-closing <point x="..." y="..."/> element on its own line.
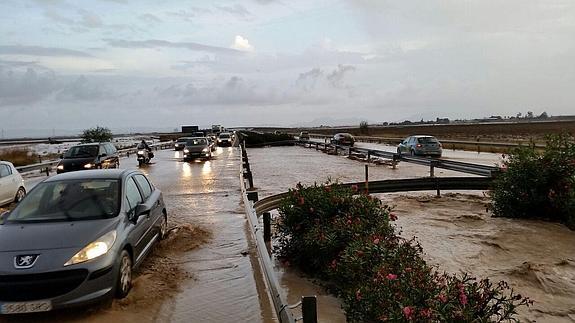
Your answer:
<point x="153" y="43"/>
<point x="25" y="87"/>
<point x="149" y="18"/>
<point x="237" y="10"/>
<point x="189" y="14"/>
<point x="40" y="51"/>
<point x="335" y="78"/>
<point x="90" y="19"/>
<point x="82" y="89"/>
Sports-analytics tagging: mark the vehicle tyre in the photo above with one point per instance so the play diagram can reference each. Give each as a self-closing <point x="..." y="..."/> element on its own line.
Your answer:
<point x="20" y="195"/>
<point x="140" y="162"/>
<point x="124" y="278"/>
<point x="412" y="152"/>
<point x="164" y="226"/>
<point x="398" y="151"/>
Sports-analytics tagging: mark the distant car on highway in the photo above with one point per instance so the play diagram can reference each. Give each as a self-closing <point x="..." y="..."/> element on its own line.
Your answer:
<point x="345" y="139"/>
<point x="304" y="135"/>
<point x="198" y="147"/>
<point x="76" y="238"/>
<point x="89" y="156"/>
<point x="420" y="145"/>
<point x="225" y="139"/>
<point x="181" y="143"/>
<point x="12" y="187"/>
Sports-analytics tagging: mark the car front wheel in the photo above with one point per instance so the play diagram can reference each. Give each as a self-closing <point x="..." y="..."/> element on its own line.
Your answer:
<point x="124" y="279"/>
<point x="20" y="195"/>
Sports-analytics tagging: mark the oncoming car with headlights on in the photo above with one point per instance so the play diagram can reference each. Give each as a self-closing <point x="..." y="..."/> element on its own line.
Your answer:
<point x="198" y="147"/>
<point x="76" y="238"/>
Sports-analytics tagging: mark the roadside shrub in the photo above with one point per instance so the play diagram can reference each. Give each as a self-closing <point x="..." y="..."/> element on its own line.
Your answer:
<point x="348" y="240"/>
<point x="98" y="134"/>
<point x="364" y="127"/>
<point x="536" y="184"/>
<point x="18" y="156"/>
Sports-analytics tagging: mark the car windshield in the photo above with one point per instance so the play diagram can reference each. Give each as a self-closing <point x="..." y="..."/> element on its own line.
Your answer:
<point x="141" y="146"/>
<point x="82" y="151"/>
<point x="427" y="140"/>
<point x="197" y="142"/>
<point x="70" y="200"/>
<point x="224" y="136"/>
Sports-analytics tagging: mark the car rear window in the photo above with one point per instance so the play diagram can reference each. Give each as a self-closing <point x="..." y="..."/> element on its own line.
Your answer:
<point x="70" y="200"/>
<point x="427" y="140"/>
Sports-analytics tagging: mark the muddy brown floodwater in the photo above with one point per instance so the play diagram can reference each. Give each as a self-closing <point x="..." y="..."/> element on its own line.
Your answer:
<point x="206" y="271"/>
<point x="455" y="230"/>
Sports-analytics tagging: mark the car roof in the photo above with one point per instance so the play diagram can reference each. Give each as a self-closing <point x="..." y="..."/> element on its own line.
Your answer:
<point x="93" y="174"/>
<point x="3" y="162"/>
<point x="421" y="136"/>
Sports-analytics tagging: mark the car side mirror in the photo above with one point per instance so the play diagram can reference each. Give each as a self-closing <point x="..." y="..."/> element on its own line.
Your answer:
<point x="103" y="155"/>
<point x="140" y="210"/>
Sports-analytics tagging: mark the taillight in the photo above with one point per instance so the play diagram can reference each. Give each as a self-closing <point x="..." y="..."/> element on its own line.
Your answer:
<point x="418" y="146"/>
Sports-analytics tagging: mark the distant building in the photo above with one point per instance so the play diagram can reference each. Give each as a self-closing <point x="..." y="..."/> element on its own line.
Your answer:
<point x="442" y="120"/>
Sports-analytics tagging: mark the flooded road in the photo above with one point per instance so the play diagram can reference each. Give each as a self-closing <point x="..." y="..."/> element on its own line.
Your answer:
<point x="208" y="266"/>
<point x="456" y="232"/>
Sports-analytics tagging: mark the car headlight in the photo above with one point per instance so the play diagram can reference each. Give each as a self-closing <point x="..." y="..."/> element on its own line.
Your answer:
<point x="60" y="167"/>
<point x="205" y="150"/>
<point x="177" y="145"/>
<point x="88" y="165"/>
<point x="140" y="152"/>
<point x="95" y="249"/>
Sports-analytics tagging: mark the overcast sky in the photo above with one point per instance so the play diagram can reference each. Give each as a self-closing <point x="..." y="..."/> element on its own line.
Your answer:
<point x="68" y="64"/>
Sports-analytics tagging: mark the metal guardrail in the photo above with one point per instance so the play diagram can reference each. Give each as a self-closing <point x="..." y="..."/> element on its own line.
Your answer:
<point x="396" y="140"/>
<point x="469" y="168"/>
<point x="249" y="197"/>
<point x="46" y="166"/>
<point x="438" y="184"/>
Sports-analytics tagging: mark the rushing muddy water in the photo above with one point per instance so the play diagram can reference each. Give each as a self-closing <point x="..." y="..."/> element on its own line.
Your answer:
<point x="456" y="231"/>
<point x="205" y="271"/>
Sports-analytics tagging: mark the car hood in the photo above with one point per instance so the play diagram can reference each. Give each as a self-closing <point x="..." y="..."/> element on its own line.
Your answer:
<point x="77" y="161"/>
<point x="56" y="235"/>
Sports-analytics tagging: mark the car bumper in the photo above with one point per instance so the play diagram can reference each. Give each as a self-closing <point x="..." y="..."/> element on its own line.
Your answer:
<point x="190" y="156"/>
<point x="59" y="289"/>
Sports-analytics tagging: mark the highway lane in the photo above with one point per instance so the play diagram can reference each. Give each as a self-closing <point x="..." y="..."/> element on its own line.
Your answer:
<point x="224" y="287"/>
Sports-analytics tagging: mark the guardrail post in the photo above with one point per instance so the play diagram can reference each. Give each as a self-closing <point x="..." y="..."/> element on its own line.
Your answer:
<point x="252" y="196"/>
<point x="349" y="151"/>
<point x="309" y="309"/>
<point x="369" y="156"/>
<point x="366" y="179"/>
<point x="47" y="170"/>
<point x="394" y="161"/>
<point x="438" y="190"/>
<point x="267" y="226"/>
<point x="432" y="168"/>
<point x="336" y="149"/>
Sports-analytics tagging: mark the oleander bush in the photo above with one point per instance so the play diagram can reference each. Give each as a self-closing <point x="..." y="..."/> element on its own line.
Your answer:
<point x="348" y="240"/>
<point x="538" y="184"/>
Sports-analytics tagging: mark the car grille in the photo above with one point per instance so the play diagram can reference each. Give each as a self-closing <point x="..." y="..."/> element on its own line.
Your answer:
<point x="18" y="288"/>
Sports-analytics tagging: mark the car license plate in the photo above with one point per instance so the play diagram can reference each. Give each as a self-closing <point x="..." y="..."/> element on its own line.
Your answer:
<point x="26" y="307"/>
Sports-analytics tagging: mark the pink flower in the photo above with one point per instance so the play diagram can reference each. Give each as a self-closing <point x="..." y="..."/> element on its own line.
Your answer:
<point x="358" y="295"/>
<point x="376" y="241"/>
<point x="392" y="216"/>
<point x="408" y="312"/>
<point x="442" y="298"/>
<point x="355" y="188"/>
<point x="463" y="299"/>
<point x="328" y="188"/>
<point x="301" y="201"/>
<point x="391" y="276"/>
<point x="426" y="312"/>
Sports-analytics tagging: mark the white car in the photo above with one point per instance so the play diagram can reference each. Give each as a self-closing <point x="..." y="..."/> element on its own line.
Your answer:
<point x="11" y="184"/>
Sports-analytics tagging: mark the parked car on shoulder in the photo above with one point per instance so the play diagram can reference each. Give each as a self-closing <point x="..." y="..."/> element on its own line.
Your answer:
<point x="198" y="147"/>
<point x="420" y="145"/>
<point x="345" y="139"/>
<point x="225" y="139"/>
<point x="89" y="156"/>
<point x="181" y="143"/>
<point x="303" y="136"/>
<point x="76" y="238"/>
<point x="12" y="187"/>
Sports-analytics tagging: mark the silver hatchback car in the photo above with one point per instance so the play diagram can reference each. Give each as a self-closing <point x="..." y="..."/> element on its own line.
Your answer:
<point x="75" y="239"/>
<point x="420" y="145"/>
